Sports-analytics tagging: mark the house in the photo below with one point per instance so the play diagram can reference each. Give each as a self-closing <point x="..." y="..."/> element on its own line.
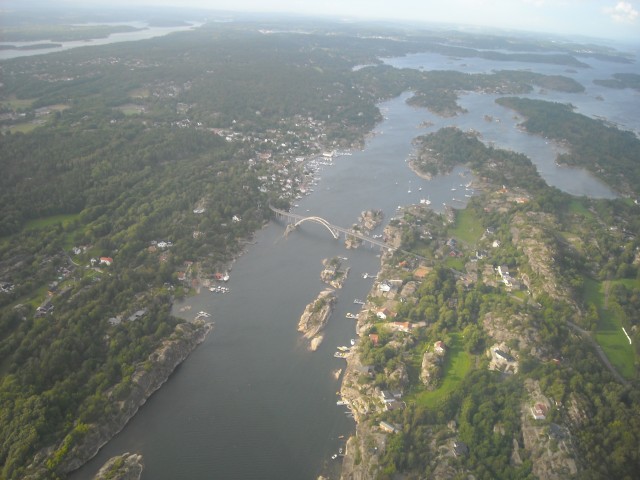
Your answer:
<point x="460" y="449"/>
<point x="383" y="314"/>
<point x="503" y="270"/>
<point x="401" y="326"/>
<point x="375" y="339"/>
<point x="368" y="370"/>
<point x="503" y="355"/>
<point x="106" y="261"/>
<point x="137" y="315"/>
<point x="439" y="347"/>
<point x="384" y="287"/>
<point x="386" y="396"/>
<point x="387" y="427"/>
<point x="539" y="411"/>
<point x="236" y="219"/>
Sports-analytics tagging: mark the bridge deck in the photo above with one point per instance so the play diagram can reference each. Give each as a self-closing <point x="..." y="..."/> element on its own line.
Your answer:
<point x="333" y="228"/>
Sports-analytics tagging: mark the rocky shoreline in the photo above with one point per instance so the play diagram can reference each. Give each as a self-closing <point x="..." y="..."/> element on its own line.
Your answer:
<point x="315" y="317"/>
<point x="127" y="466"/>
<point x="148" y="377"/>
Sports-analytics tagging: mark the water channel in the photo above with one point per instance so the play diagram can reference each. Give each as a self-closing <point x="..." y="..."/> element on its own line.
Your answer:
<point x="251" y="401"/>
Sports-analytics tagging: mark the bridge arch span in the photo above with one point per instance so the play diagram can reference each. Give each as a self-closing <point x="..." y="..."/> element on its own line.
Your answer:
<point x="320" y="221"/>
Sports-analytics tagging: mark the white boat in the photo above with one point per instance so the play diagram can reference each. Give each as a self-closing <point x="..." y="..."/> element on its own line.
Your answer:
<point x="353" y="341"/>
<point x="357" y="301"/>
<point x="351" y="316"/>
<point x="425" y="201"/>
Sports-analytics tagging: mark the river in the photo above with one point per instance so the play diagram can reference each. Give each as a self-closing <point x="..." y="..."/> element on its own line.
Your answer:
<point x="251" y="401"/>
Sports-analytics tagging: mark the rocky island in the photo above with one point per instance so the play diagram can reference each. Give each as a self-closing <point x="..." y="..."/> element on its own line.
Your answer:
<point x="315" y="317"/>
<point x="333" y="273"/>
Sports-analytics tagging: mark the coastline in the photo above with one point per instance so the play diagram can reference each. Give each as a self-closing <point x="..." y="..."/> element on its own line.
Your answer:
<point x="147" y="378"/>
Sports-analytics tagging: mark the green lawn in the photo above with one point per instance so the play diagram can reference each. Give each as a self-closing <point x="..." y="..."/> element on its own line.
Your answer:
<point x="52" y="220"/>
<point x="609" y="334"/>
<point x="17" y="103"/>
<point x="467" y="228"/>
<point x="456" y="366"/>
<point x="22" y="127"/>
<point x="576" y="207"/>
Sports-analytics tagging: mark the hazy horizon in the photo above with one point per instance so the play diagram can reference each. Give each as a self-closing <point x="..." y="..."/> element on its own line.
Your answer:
<point x="593" y="18"/>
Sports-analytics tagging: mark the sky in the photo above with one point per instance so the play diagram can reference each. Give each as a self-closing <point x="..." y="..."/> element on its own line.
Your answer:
<point x="594" y="18"/>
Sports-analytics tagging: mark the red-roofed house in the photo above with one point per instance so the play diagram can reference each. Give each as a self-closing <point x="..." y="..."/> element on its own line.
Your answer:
<point x="539" y="411"/>
<point x="439" y="347"/>
<point x="106" y="261"/>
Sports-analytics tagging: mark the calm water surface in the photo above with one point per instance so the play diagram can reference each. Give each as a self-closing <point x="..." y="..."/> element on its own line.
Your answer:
<point x="251" y="401"/>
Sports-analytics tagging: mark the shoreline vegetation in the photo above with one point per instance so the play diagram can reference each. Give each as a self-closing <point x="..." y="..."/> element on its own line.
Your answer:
<point x="155" y="202"/>
<point x="515" y="336"/>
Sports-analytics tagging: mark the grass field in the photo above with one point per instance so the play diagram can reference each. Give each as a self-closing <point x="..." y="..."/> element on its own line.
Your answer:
<point x="131" y="109"/>
<point x="576" y="207"/>
<point x="139" y="93"/>
<point x="467" y="228"/>
<point x="17" y="103"/>
<point x="25" y="127"/>
<point x="609" y="334"/>
<point x="456" y="366"/>
<point x="52" y="220"/>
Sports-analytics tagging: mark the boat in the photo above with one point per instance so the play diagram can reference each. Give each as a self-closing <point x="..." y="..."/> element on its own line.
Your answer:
<point x="204" y="314"/>
<point x="425" y="201"/>
<point x="353" y="341"/>
<point x="341" y="402"/>
<point x="357" y="301"/>
<point x="343" y="348"/>
<point x="365" y="275"/>
<point x="351" y="316"/>
<point x="340" y="354"/>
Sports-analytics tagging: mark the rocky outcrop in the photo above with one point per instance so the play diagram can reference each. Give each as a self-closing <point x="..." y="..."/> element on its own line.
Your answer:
<point x="333" y="274"/>
<point x="370" y="219"/>
<point x="146" y="379"/>
<point x="315" y="317"/>
<point x="127" y="466"/>
<point x="430" y="371"/>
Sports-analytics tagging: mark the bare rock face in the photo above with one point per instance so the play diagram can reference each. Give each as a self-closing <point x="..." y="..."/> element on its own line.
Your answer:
<point x="430" y="369"/>
<point x="315" y="317"/>
<point x="127" y="466"/>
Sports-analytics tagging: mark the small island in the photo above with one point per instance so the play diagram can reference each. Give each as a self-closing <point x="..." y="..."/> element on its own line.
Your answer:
<point x="333" y="273"/>
<point x="315" y="317"/>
